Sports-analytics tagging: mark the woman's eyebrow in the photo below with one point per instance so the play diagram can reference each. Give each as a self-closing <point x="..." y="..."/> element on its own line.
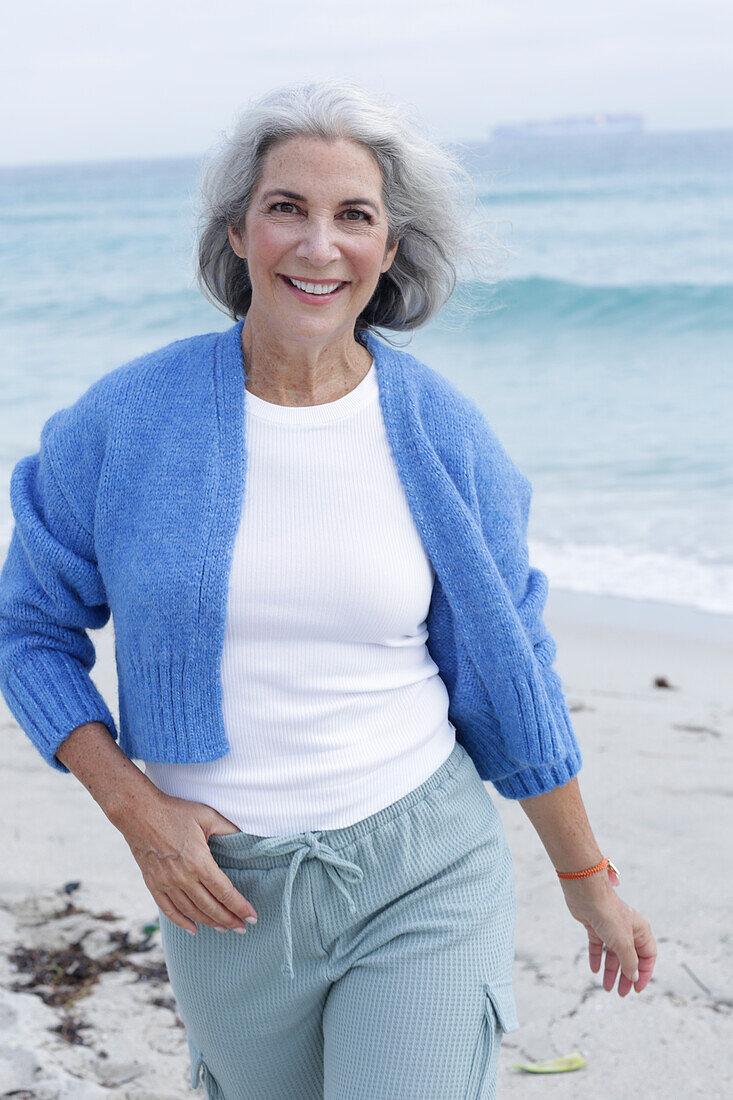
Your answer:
<point x="302" y="198"/>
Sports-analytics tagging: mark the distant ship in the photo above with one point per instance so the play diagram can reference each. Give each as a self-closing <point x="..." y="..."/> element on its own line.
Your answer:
<point x="572" y="125"/>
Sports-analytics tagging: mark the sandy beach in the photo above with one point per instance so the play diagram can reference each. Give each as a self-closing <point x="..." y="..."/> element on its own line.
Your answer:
<point x="651" y="695"/>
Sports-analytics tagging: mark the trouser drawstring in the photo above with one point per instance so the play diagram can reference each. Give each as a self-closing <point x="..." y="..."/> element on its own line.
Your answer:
<point x="306" y="846"/>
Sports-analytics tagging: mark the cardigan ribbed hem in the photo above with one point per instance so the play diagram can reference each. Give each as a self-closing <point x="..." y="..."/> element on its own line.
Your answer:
<point x="49" y="694"/>
<point x="178" y="706"/>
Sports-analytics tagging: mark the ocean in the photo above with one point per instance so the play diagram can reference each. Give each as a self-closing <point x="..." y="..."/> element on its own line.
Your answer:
<point x="602" y="357"/>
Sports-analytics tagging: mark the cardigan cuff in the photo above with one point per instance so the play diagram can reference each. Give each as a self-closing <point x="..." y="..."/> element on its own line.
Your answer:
<point x="49" y="694"/>
<point x="541" y="778"/>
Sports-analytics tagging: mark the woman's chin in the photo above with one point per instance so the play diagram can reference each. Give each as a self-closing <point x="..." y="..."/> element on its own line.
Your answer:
<point x="313" y="326"/>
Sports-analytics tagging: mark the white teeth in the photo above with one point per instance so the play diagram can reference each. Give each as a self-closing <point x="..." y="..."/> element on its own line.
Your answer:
<point x="315" y="288"/>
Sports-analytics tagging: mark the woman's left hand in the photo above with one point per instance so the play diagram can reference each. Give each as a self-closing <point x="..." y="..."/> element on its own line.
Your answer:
<point x="608" y="920"/>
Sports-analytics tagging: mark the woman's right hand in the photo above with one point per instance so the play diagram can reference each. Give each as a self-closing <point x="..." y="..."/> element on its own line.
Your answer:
<point x="169" y="839"/>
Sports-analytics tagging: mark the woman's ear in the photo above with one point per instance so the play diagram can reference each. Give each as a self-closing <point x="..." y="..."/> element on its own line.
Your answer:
<point x="236" y="241"/>
<point x="389" y="256"/>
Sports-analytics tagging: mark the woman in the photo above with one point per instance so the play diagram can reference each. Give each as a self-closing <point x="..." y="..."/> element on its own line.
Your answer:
<point x="320" y="672"/>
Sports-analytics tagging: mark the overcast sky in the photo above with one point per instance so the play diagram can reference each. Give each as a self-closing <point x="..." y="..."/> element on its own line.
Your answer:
<point x="85" y="79"/>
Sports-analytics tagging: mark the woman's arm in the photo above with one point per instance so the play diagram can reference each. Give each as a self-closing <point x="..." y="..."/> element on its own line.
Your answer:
<point x="562" y="825"/>
<point x="560" y="821"/>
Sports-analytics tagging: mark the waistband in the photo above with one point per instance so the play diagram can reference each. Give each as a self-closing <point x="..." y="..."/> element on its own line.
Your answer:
<point x="241" y="849"/>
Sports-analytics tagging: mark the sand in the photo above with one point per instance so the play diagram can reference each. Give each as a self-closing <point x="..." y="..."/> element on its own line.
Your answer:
<point x="658" y="785"/>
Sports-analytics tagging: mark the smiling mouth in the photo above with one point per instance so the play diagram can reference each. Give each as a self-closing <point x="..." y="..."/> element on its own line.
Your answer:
<point x="318" y="290"/>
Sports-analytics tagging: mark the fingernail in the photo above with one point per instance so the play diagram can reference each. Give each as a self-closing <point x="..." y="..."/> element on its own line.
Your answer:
<point x="635" y="977"/>
<point x="191" y="931"/>
<point x="241" y="931"/>
<point x="220" y="928"/>
<point x="251" y="920"/>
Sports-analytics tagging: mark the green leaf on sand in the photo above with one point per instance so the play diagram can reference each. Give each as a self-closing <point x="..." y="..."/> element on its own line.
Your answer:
<point x="553" y="1065"/>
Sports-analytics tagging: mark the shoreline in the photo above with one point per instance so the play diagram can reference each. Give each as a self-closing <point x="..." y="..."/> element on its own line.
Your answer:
<point x="650" y="616"/>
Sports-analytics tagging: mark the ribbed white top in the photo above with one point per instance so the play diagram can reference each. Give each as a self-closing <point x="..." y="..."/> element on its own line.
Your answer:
<point x="333" y="706"/>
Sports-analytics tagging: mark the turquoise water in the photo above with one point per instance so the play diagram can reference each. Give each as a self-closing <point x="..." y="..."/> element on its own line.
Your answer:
<point x="602" y="358"/>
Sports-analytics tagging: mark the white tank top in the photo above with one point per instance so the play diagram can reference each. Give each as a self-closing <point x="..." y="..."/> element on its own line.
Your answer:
<point x="333" y="707"/>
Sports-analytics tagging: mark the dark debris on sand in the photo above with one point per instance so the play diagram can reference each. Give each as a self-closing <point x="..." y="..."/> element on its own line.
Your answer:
<point x="62" y="977"/>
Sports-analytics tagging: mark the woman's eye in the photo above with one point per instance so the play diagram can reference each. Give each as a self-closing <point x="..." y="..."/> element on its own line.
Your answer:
<point x="286" y="207"/>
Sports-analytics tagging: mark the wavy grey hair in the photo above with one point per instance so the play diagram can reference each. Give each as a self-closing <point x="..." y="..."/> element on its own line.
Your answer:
<point x="429" y="200"/>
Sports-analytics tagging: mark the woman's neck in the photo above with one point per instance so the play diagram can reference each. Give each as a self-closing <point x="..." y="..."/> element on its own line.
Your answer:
<point x="293" y="373"/>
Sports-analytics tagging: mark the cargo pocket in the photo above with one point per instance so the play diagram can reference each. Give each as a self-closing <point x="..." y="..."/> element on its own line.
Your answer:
<point x="500" y="1015"/>
<point x="201" y="1072"/>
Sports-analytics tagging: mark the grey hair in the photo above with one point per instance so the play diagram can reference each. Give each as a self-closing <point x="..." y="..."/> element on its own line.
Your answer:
<point x="429" y="199"/>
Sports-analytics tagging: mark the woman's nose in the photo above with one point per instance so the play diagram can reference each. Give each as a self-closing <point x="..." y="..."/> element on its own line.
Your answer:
<point x="318" y="243"/>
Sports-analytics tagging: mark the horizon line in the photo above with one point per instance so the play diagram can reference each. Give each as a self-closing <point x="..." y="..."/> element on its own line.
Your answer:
<point x="152" y="158"/>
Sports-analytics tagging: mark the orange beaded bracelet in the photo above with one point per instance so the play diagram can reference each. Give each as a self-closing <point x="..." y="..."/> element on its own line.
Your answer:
<point x="605" y="862"/>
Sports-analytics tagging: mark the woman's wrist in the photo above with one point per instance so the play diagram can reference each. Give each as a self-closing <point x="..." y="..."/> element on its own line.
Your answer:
<point x="589" y="890"/>
<point x="575" y="862"/>
<point x="604" y="863"/>
<point x="560" y="820"/>
<point x="134" y="800"/>
<point x="114" y="781"/>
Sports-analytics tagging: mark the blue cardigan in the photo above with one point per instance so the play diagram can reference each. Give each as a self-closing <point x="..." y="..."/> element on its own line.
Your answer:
<point x="131" y="506"/>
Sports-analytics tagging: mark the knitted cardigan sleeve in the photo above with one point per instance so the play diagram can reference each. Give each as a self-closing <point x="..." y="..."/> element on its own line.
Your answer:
<point x="504" y="495"/>
<point x="51" y="593"/>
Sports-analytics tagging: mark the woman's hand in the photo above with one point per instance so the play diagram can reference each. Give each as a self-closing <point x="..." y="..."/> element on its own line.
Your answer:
<point x="562" y="825"/>
<point x="168" y="837"/>
<point x="609" y="920"/>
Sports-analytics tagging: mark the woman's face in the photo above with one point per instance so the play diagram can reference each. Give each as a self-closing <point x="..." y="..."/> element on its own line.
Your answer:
<point x="316" y="216"/>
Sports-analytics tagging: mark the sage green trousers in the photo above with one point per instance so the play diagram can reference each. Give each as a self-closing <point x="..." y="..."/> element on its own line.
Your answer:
<point x="380" y="967"/>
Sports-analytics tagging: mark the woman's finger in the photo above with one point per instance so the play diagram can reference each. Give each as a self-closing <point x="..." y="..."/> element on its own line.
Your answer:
<point x="624" y="985"/>
<point x="646" y="949"/>
<point x="595" y="951"/>
<point x="216" y="913"/>
<point x="188" y="905"/>
<point x="610" y="970"/>
<point x="224" y="891"/>
<point x="173" y="913"/>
